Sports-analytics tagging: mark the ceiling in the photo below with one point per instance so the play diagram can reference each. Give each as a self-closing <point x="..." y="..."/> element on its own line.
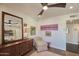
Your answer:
<point x="32" y="9"/>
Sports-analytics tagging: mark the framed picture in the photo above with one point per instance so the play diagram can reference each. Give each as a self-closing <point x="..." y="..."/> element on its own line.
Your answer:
<point x="48" y="33"/>
<point x="49" y="27"/>
<point x="33" y="30"/>
<point x="25" y="27"/>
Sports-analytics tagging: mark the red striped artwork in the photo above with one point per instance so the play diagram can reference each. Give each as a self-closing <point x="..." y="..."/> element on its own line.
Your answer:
<point x="49" y="27"/>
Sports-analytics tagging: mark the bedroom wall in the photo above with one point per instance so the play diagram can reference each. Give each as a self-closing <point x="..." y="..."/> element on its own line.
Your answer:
<point x="26" y="19"/>
<point x="58" y="38"/>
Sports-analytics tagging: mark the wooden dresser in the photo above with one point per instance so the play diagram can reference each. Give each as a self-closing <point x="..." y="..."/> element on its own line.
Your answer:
<point x="17" y="48"/>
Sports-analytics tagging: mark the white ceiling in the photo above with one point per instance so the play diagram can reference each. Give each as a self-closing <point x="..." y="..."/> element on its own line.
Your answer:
<point x="32" y="9"/>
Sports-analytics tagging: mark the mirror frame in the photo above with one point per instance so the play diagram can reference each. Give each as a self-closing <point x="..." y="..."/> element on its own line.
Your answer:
<point x="3" y="14"/>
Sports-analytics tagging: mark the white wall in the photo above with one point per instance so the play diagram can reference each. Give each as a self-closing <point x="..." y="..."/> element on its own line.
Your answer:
<point x="58" y="38"/>
<point x="26" y="19"/>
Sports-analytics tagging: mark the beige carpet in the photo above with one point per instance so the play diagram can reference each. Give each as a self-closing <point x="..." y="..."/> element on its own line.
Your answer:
<point x="44" y="53"/>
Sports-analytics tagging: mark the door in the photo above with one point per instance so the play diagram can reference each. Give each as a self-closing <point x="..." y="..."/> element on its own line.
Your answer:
<point x="73" y="36"/>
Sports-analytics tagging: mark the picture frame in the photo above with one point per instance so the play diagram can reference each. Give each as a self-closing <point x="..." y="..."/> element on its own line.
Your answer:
<point x="48" y="33"/>
<point x="33" y="30"/>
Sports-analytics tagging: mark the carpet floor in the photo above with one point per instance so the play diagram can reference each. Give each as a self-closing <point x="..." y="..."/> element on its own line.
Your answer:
<point x="44" y="53"/>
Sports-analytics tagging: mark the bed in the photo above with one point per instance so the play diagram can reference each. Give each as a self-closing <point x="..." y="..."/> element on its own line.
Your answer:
<point x="40" y="44"/>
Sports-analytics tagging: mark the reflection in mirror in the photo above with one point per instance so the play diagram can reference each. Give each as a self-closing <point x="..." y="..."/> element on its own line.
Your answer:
<point x="12" y="29"/>
<point x="72" y="45"/>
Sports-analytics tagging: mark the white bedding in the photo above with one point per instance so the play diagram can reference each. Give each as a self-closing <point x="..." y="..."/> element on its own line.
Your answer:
<point x="40" y="44"/>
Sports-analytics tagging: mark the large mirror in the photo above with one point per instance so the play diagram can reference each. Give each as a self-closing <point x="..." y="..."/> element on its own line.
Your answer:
<point x="12" y="28"/>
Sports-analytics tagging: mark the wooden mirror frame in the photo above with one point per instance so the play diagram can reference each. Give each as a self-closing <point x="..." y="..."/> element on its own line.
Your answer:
<point x="3" y="14"/>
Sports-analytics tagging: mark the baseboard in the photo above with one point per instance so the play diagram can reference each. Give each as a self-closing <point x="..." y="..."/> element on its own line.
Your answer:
<point x="58" y="51"/>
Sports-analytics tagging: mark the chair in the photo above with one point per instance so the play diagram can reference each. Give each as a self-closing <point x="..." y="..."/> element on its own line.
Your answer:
<point x="40" y="44"/>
